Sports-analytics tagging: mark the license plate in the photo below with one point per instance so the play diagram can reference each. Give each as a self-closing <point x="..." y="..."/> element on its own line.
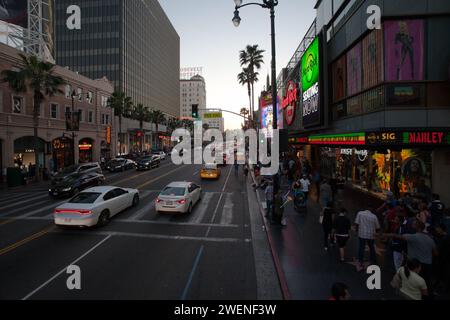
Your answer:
<point x="169" y="203"/>
<point x="68" y="220"/>
<point x="55" y="193"/>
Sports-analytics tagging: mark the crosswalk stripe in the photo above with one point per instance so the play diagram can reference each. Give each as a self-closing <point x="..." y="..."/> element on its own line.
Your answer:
<point x="24" y="208"/>
<point x="200" y="211"/>
<point x="142" y="211"/>
<point x="14" y="196"/>
<point x="227" y="212"/>
<point x="51" y="206"/>
<point x="16" y="201"/>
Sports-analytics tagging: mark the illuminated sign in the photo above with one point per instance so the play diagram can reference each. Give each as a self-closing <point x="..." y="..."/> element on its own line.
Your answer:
<point x="339" y="139"/>
<point x="212" y="115"/>
<point x="427" y="137"/>
<point x="384" y="138"/>
<point x="310" y="85"/>
<point x="299" y="140"/>
<point x="85" y="146"/>
<point x="108" y="135"/>
<point x="289" y="103"/>
<point x="362" y="154"/>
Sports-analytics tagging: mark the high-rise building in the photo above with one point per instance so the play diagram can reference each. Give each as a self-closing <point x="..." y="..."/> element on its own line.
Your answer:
<point x="192" y="92"/>
<point x="131" y="42"/>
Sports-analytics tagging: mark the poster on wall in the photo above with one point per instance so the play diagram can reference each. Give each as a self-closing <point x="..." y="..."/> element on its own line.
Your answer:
<point x="310" y="85"/>
<point x="339" y="75"/>
<point x="14" y="12"/>
<point x="354" y="70"/>
<point x="372" y="59"/>
<point x="404" y="47"/>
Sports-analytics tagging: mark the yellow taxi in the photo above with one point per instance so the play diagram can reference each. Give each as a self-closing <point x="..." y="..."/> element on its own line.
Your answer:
<point x="210" y="171"/>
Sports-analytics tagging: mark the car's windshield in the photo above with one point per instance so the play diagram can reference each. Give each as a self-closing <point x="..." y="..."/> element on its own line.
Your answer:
<point x="70" y="178"/>
<point x="209" y="167"/>
<point x="173" y="191"/>
<point x="145" y="159"/>
<point x="85" y="197"/>
<point x="116" y="162"/>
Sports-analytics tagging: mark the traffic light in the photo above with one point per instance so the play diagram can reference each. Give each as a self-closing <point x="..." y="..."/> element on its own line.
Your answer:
<point x="195" y="111"/>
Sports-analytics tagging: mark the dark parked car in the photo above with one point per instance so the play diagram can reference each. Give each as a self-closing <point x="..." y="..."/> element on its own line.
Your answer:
<point x="148" y="162"/>
<point x="79" y="169"/>
<point x="72" y="184"/>
<point x="120" y="164"/>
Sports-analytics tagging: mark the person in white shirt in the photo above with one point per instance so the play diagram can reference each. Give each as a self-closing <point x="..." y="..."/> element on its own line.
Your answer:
<point x="367" y="225"/>
<point x="412" y="286"/>
<point x="304" y="185"/>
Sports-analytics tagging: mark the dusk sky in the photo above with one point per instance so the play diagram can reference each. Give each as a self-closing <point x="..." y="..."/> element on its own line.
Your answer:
<point x="210" y="40"/>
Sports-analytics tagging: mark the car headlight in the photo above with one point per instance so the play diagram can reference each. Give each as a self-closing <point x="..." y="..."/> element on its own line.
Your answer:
<point x="118" y="167"/>
<point x="66" y="189"/>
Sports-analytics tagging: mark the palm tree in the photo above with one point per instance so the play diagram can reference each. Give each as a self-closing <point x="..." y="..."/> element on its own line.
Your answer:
<point x="122" y="106"/>
<point x="244" y="79"/>
<point x="252" y="58"/>
<point x="140" y="114"/>
<point x="38" y="77"/>
<point x="157" y="117"/>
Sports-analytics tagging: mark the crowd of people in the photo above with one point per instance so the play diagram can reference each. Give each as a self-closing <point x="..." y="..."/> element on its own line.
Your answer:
<point x="413" y="230"/>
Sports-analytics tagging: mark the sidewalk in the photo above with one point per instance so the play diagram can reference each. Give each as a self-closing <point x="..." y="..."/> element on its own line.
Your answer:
<point x="309" y="270"/>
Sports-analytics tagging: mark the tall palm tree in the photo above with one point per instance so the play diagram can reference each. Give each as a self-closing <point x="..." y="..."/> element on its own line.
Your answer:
<point x="157" y="117"/>
<point x="38" y="77"/>
<point x="140" y="113"/>
<point x="122" y="106"/>
<point x="244" y="79"/>
<point x="252" y="58"/>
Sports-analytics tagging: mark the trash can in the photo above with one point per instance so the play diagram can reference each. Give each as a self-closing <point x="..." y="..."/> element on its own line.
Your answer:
<point x="14" y="177"/>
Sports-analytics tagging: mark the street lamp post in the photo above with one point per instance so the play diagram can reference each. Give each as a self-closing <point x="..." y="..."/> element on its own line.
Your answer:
<point x="267" y="4"/>
<point x="74" y="94"/>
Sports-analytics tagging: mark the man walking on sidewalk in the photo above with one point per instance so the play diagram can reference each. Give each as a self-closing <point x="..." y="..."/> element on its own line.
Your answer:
<point x="269" y="200"/>
<point x="367" y="226"/>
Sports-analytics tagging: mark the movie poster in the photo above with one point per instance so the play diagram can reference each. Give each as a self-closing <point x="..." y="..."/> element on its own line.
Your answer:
<point x="14" y="11"/>
<point x="354" y="70"/>
<point x="339" y="79"/>
<point x="404" y="46"/>
<point x="372" y="57"/>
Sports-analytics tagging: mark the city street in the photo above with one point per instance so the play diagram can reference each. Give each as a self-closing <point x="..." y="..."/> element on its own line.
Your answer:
<point x="139" y="254"/>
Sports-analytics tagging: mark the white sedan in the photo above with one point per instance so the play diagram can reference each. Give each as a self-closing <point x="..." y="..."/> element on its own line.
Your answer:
<point x="161" y="154"/>
<point x="95" y="206"/>
<point x="178" y="197"/>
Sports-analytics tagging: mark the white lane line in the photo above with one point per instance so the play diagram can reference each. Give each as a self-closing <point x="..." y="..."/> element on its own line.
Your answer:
<point x="226" y="181"/>
<point x="158" y="236"/>
<point x="202" y="207"/>
<point x="19" y="201"/>
<point x="195" y="173"/>
<point x="64" y="270"/>
<point x="227" y="212"/>
<point x="143" y="211"/>
<point x="8" y="213"/>
<point x="14" y="197"/>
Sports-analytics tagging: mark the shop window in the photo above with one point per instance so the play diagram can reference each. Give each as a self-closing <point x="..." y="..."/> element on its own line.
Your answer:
<point x="68" y="91"/>
<point x="90" y="97"/>
<point x="438" y="94"/>
<point x="354" y="106"/>
<point x="410" y="95"/>
<point x="373" y="100"/>
<point x="90" y="116"/>
<point x="18" y="104"/>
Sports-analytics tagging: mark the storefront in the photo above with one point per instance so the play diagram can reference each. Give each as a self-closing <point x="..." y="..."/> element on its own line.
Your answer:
<point x="379" y="162"/>
<point x="25" y="150"/>
<point x="85" y="147"/>
<point x="165" y="141"/>
<point x="62" y="153"/>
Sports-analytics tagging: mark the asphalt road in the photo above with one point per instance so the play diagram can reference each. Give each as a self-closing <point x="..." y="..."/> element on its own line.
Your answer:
<point x="139" y="254"/>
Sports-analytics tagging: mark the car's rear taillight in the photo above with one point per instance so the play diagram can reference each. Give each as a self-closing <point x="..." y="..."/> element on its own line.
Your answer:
<point x="182" y="201"/>
<point x="158" y="200"/>
<point x="80" y="212"/>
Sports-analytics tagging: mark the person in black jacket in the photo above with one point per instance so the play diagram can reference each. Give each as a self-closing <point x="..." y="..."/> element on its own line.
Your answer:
<point x="342" y="226"/>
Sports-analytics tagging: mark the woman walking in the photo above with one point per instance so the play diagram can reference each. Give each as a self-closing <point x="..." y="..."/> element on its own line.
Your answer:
<point x="342" y="226"/>
<point x="327" y="223"/>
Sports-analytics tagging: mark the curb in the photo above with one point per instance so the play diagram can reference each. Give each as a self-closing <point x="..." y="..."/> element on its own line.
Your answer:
<point x="280" y="273"/>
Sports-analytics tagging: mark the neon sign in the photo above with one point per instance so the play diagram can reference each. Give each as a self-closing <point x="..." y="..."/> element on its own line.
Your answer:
<point x="428" y="137"/>
<point x="289" y="103"/>
<point x="339" y="139"/>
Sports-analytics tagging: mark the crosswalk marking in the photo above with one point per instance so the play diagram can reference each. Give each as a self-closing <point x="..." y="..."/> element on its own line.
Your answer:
<point x="145" y="209"/>
<point x="201" y="208"/>
<point x="227" y="212"/>
<point x="23" y="208"/>
<point x="14" y="197"/>
<point x="51" y="206"/>
<point x="20" y="200"/>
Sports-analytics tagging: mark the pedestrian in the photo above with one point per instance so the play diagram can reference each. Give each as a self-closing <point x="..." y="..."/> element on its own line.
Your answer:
<point x="342" y="226"/>
<point x="408" y="280"/>
<point x="424" y="215"/>
<point x="236" y="168"/>
<point x="326" y="193"/>
<point x="367" y="226"/>
<point x="246" y="170"/>
<point x="436" y="210"/>
<point x="339" y="291"/>
<point x="326" y="218"/>
<point x="269" y="200"/>
<point x="422" y="247"/>
<point x="398" y="247"/>
<point x="446" y="220"/>
<point x="304" y="186"/>
<point x="278" y="208"/>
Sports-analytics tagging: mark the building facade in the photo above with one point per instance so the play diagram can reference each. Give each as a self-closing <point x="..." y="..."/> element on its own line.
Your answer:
<point x="57" y="148"/>
<point x="132" y="43"/>
<point x="373" y="105"/>
<point x="192" y="92"/>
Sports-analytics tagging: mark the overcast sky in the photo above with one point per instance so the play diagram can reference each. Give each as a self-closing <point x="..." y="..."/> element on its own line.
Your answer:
<point x="210" y="40"/>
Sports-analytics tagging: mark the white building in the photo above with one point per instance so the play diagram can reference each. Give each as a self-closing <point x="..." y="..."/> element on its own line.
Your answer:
<point x="192" y="92"/>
